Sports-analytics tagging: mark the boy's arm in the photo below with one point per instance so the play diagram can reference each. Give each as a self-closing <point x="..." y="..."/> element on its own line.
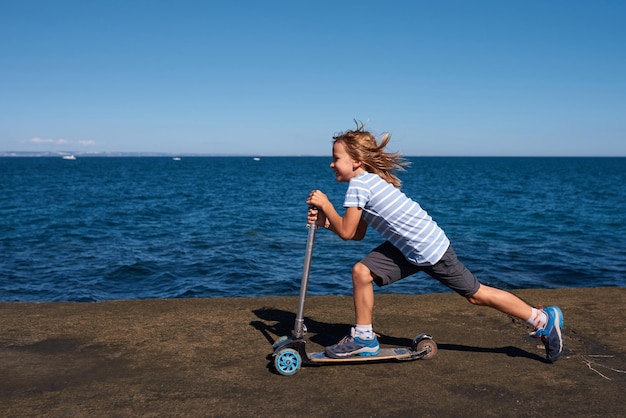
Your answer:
<point x="348" y="227"/>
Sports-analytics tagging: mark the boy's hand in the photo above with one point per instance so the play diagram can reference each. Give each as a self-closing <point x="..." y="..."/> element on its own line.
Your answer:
<point x="316" y="216"/>
<point x="317" y="198"/>
<point x="316" y="201"/>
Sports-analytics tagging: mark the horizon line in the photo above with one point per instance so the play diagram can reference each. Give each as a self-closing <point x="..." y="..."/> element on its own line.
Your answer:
<point x="56" y="154"/>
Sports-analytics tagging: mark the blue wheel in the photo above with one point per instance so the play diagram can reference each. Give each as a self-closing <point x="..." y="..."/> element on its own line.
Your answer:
<point x="287" y="361"/>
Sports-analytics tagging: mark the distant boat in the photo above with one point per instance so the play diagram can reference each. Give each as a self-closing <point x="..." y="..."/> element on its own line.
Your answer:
<point x="256" y="159"/>
<point x="176" y="158"/>
<point x="69" y="157"/>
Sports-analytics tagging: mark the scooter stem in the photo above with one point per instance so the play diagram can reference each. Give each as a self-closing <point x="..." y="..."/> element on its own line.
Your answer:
<point x="299" y="328"/>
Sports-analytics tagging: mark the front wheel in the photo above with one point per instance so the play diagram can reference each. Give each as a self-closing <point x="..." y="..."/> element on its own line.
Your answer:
<point x="287" y="361"/>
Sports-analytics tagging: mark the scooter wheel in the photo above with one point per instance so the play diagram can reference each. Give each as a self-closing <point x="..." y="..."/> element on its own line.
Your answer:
<point x="429" y="345"/>
<point x="287" y="361"/>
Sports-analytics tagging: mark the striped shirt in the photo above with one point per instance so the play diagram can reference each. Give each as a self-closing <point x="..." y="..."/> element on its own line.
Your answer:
<point x="399" y="219"/>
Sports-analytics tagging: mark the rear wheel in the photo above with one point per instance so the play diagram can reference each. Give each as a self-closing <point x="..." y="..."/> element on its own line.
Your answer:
<point x="420" y="344"/>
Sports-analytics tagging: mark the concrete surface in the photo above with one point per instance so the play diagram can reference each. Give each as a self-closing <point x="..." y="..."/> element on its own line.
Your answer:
<point x="211" y="357"/>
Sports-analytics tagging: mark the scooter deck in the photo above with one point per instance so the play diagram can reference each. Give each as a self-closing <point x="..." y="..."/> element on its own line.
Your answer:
<point x="396" y="353"/>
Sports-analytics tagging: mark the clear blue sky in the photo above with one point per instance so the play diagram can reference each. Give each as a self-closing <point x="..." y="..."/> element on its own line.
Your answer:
<point x="281" y="77"/>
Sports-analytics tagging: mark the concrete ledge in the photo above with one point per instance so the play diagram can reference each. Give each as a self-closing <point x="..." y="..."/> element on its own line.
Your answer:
<point x="209" y="357"/>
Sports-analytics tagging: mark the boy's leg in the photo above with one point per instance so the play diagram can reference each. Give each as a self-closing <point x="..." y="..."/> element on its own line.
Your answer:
<point x="359" y="342"/>
<point x="502" y="301"/>
<point x="383" y="266"/>
<point x="363" y="292"/>
<point x="389" y="265"/>
<point x="452" y="273"/>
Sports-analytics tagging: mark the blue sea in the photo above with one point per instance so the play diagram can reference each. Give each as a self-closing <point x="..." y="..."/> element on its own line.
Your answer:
<point x="103" y="228"/>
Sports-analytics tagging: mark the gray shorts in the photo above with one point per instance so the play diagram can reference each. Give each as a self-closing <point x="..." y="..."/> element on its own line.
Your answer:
<point x="389" y="265"/>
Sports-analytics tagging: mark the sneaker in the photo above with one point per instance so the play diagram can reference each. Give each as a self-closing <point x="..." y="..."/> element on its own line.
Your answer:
<point x="351" y="345"/>
<point x="551" y="334"/>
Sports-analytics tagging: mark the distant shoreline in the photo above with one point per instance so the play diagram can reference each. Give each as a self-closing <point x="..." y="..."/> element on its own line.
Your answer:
<point x="60" y="154"/>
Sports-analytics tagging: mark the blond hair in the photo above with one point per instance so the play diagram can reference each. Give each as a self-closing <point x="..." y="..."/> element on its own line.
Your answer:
<point x="362" y="146"/>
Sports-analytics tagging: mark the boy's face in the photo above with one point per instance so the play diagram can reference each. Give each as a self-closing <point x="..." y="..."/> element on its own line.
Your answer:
<point x="343" y="165"/>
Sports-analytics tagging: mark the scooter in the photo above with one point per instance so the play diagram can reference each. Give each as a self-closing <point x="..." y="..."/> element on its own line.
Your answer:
<point x="290" y="351"/>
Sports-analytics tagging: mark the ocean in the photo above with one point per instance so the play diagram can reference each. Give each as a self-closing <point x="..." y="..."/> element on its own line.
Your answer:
<point x="104" y="228"/>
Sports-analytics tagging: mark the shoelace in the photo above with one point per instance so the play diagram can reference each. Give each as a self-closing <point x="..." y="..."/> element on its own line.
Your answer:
<point x="346" y="339"/>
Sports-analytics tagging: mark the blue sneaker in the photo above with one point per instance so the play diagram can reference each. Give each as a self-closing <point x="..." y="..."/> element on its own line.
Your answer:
<point x="551" y="334"/>
<point x="351" y="345"/>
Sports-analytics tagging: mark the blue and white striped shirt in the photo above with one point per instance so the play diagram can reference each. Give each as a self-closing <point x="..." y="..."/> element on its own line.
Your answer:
<point x="399" y="219"/>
